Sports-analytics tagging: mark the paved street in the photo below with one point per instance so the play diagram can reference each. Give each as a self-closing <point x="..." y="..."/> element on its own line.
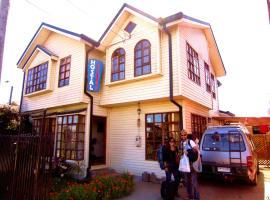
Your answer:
<point x="213" y="189"/>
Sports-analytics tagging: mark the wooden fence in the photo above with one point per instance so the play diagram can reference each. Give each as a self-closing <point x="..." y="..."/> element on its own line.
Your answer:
<point x="25" y="166"/>
<point x="262" y="144"/>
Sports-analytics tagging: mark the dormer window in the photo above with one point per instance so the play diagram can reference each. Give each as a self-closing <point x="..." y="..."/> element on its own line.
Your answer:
<point x="118" y="65"/>
<point x="36" y="78"/>
<point x="130" y="27"/>
<point x="142" y="58"/>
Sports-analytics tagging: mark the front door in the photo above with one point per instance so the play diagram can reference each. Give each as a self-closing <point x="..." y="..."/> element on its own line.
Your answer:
<point x="98" y="144"/>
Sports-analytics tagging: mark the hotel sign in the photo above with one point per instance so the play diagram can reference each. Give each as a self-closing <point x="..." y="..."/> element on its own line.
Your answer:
<point x="94" y="73"/>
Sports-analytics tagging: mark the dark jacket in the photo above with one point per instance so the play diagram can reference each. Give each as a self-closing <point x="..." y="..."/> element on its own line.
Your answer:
<point x="171" y="158"/>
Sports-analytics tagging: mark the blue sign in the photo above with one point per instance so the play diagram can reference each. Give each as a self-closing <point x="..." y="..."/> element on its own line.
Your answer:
<point x="94" y="74"/>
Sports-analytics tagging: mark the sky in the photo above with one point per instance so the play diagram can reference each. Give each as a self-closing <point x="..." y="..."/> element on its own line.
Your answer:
<point x="241" y="29"/>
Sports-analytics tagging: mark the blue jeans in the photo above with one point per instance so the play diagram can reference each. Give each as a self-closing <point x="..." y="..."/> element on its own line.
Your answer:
<point x="176" y="174"/>
<point x="191" y="183"/>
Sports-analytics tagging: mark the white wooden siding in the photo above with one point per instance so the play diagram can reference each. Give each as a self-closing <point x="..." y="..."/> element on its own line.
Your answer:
<point x="192" y="108"/>
<point x="71" y="94"/>
<point x="196" y="38"/>
<point x="144" y="87"/>
<point x="122" y="130"/>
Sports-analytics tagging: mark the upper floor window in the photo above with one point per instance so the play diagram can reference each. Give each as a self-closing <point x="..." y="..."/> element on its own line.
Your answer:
<point x="142" y="58"/>
<point x="36" y="78"/>
<point x="213" y="86"/>
<point x="130" y="27"/>
<point x="64" y="71"/>
<point x="207" y="77"/>
<point x="193" y="65"/>
<point x="118" y="65"/>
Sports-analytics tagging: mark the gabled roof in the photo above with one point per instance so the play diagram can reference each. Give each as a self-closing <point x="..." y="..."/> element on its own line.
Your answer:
<point x="37" y="49"/>
<point x="120" y="12"/>
<point x="44" y="30"/>
<point x="178" y="18"/>
<point x="46" y="51"/>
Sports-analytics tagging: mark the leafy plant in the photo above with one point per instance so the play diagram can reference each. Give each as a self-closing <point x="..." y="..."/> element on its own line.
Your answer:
<point x="9" y="119"/>
<point x="104" y="187"/>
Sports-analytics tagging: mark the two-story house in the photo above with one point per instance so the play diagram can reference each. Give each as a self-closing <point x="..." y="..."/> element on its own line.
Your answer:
<point x="160" y="76"/>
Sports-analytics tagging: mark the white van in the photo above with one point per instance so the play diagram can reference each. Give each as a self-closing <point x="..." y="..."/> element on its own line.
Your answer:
<point x="229" y="152"/>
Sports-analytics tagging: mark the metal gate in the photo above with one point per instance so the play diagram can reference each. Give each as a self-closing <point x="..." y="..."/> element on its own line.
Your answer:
<point x="262" y="144"/>
<point x="25" y="166"/>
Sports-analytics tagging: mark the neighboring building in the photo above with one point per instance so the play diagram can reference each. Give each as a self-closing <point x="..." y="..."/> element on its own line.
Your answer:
<point x="160" y="76"/>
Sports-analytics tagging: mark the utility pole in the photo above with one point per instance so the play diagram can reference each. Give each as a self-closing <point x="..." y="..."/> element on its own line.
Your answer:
<point x="268" y="5"/>
<point x="4" y="7"/>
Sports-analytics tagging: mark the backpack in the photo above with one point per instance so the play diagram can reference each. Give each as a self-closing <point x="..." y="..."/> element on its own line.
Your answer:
<point x="160" y="156"/>
<point x="192" y="153"/>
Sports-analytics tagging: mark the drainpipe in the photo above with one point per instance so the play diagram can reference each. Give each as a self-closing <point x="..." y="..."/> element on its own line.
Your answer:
<point x="88" y="174"/>
<point x="171" y="76"/>
<point x="20" y="109"/>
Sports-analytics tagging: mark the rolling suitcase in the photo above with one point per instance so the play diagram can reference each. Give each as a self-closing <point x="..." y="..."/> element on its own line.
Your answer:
<point x="168" y="190"/>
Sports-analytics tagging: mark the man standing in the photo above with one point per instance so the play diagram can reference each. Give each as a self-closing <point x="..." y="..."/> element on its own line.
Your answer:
<point x="191" y="181"/>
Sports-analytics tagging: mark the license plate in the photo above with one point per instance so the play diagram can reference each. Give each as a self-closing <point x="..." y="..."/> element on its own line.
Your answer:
<point x="223" y="169"/>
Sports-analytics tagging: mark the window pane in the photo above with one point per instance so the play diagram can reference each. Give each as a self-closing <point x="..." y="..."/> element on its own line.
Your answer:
<point x="145" y="44"/>
<point x="138" y="54"/>
<point x="158" y="118"/>
<point x="114" y="77"/>
<point x="65" y="120"/>
<point x="146" y="59"/>
<point x="66" y="81"/>
<point x="75" y="119"/>
<point x="149" y="118"/>
<point x="138" y="62"/>
<point x="122" y="75"/>
<point x="122" y="67"/>
<point x="146" y="69"/>
<point x="70" y="119"/>
<point x="138" y="71"/>
<point x="146" y="52"/>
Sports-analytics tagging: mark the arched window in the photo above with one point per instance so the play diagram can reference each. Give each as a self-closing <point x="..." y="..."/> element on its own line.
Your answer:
<point x="118" y="65"/>
<point x="142" y="58"/>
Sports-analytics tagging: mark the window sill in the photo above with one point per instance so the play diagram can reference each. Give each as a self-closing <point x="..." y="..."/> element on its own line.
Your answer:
<point x="37" y="93"/>
<point x="143" y="77"/>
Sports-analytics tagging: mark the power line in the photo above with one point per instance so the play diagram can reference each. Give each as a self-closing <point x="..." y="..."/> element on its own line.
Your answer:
<point x="37" y="7"/>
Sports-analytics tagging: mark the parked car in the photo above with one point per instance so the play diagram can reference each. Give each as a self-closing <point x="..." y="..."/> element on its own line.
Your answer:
<point x="228" y="151"/>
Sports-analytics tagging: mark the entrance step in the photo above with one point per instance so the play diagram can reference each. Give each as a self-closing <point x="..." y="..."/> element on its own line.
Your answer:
<point x="103" y="172"/>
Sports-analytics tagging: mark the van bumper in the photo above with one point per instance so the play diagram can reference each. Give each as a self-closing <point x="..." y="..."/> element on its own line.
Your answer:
<point x="236" y="171"/>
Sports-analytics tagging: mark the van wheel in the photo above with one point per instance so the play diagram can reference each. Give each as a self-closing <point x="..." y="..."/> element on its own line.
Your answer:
<point x="255" y="180"/>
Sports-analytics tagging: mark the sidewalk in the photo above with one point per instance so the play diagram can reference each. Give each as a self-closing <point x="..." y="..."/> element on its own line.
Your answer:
<point x="147" y="191"/>
<point x="144" y="190"/>
<point x="210" y="189"/>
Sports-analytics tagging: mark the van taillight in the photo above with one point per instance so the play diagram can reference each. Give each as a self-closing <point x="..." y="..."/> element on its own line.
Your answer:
<point x="249" y="161"/>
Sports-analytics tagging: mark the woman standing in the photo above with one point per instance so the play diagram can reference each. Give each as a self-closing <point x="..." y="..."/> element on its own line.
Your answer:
<point x="171" y="162"/>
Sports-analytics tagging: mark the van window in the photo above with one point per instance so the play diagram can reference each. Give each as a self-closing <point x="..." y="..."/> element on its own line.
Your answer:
<point x="222" y="142"/>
